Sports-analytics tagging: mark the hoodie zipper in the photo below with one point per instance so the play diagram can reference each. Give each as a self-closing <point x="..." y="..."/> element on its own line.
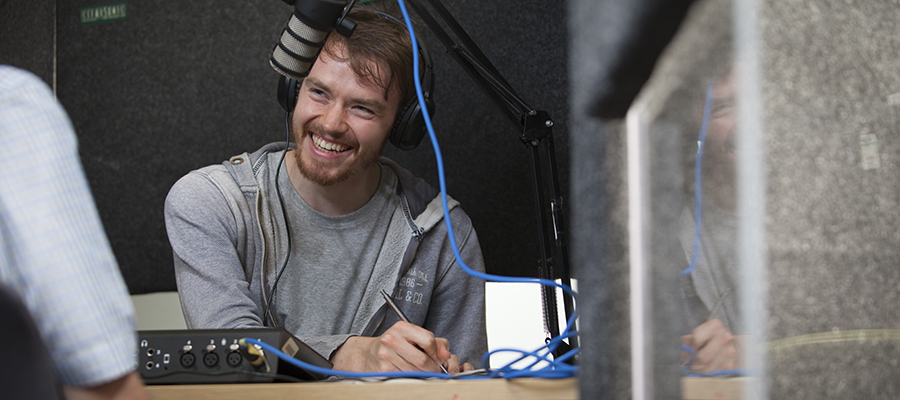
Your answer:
<point x="417" y="231"/>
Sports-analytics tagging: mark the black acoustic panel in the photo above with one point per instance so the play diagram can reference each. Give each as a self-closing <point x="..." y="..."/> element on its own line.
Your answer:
<point x="173" y="87"/>
<point x="26" y="36"/>
<point x="177" y="86"/>
<point x="628" y="39"/>
<point x="488" y="169"/>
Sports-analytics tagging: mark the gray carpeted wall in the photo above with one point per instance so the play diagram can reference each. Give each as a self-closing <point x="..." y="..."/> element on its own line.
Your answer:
<point x="831" y="68"/>
<point x="828" y="76"/>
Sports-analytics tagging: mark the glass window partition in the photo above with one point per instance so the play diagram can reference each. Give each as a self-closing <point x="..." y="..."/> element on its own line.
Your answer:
<point x="763" y="194"/>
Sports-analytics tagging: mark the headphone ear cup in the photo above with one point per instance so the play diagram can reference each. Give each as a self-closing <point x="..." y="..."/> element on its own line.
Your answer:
<point x="288" y="90"/>
<point x="410" y="126"/>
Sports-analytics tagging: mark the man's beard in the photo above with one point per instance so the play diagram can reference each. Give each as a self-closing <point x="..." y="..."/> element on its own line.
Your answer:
<point x="314" y="170"/>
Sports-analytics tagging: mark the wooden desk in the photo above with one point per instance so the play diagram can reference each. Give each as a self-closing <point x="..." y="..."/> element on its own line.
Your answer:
<point x="714" y="388"/>
<point x="471" y="389"/>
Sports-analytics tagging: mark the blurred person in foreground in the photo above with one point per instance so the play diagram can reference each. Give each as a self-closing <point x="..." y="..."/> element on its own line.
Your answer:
<point x="54" y="254"/>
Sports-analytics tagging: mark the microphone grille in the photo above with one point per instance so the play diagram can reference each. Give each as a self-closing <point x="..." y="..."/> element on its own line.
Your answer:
<point x="295" y="52"/>
<point x="300" y="29"/>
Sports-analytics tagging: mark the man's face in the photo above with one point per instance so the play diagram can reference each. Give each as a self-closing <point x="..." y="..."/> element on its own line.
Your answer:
<point x="720" y="139"/>
<point x="719" y="152"/>
<point x="341" y="122"/>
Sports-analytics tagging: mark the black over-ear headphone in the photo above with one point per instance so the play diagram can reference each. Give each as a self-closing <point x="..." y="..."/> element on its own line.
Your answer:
<point x="409" y="128"/>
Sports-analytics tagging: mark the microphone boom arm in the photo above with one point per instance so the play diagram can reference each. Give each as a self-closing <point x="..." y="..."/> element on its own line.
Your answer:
<point x="536" y="130"/>
<point x="470" y="57"/>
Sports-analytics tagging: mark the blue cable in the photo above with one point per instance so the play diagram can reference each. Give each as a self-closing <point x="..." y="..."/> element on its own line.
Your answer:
<point x="570" y="323"/>
<point x="686" y="367"/>
<point x="348" y="374"/>
<point x="698" y="186"/>
<point x="443" y="185"/>
<point x="556" y="368"/>
<point x="563" y="372"/>
<point x="698" y="216"/>
<point x="526" y="354"/>
<point x="723" y="372"/>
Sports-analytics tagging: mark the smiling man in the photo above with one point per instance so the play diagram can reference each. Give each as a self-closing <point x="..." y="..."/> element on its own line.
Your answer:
<point x="307" y="237"/>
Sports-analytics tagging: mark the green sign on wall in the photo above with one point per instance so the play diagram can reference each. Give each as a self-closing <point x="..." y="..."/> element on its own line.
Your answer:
<point x="102" y="13"/>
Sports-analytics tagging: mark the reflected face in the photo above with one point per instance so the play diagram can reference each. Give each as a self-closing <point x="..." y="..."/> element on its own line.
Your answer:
<point x="341" y="122"/>
<point x="719" y="155"/>
<point x="720" y="139"/>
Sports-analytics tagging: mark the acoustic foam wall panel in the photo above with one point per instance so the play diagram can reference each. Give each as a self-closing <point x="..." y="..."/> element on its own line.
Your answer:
<point x="26" y="36"/>
<point x="173" y="87"/>
<point x="830" y="72"/>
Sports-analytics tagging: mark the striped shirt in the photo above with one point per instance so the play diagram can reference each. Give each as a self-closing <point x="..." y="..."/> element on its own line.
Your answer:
<point x="53" y="250"/>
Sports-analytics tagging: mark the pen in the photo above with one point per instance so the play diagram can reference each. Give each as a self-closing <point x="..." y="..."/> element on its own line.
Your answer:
<point x="403" y="318"/>
<point x="719" y="303"/>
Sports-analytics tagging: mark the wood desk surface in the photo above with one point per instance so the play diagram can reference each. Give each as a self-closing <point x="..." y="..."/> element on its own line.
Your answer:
<point x="468" y="389"/>
<point x="714" y="388"/>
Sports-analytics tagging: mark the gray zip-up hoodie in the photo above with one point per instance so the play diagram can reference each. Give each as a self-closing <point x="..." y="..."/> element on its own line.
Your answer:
<point x="221" y="229"/>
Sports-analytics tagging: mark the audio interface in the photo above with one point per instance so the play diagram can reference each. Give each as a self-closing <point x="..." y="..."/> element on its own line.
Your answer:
<point x="217" y="356"/>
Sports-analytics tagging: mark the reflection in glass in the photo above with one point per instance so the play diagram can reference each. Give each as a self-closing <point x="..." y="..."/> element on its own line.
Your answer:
<point x="824" y="283"/>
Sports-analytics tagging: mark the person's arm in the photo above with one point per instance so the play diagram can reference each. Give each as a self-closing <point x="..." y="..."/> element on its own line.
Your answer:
<point x="453" y="332"/>
<point x="211" y="255"/>
<point x="457" y="309"/>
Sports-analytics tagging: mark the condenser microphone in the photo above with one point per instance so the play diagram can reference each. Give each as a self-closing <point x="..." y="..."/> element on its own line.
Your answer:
<point x="305" y="34"/>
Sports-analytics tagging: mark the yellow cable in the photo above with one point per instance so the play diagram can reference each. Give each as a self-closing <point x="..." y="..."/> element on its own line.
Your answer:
<point x="258" y="352"/>
<point x="861" y="335"/>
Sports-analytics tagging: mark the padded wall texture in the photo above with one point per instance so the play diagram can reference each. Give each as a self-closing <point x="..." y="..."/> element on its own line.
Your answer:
<point x="174" y="87"/>
<point x="180" y="85"/>
<point x="26" y="36"/>
<point x="614" y="48"/>
<point x="488" y="168"/>
<point x="830" y="72"/>
<point x="629" y="37"/>
<point x="829" y="76"/>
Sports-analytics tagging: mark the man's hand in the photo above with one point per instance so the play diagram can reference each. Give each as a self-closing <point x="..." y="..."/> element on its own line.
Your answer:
<point x="453" y="366"/>
<point x="714" y="346"/>
<point x="404" y="347"/>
